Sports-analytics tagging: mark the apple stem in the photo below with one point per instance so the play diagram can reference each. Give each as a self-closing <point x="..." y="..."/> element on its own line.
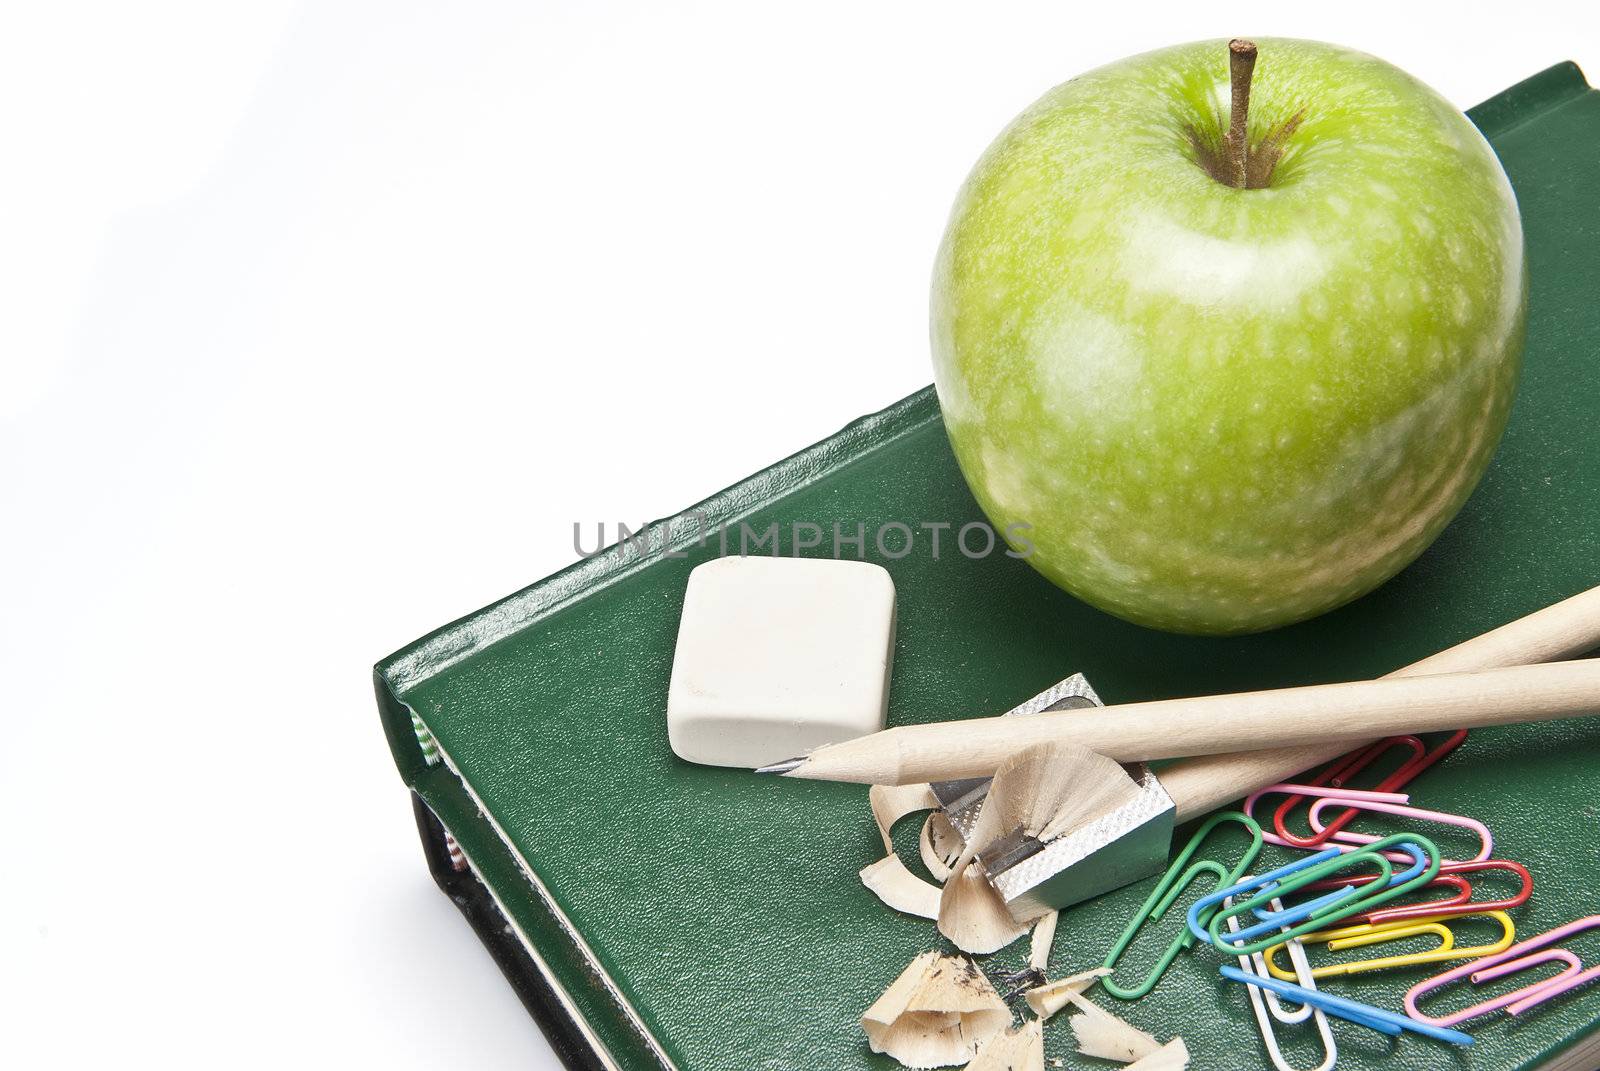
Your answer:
<point x="1241" y="67"/>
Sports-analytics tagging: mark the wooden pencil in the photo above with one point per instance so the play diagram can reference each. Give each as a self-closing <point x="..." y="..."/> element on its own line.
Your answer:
<point x="1205" y="725"/>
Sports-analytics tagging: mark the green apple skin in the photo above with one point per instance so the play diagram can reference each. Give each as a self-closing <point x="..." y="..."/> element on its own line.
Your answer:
<point x="1223" y="410"/>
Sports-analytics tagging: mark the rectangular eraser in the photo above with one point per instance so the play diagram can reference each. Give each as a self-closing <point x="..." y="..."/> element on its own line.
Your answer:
<point x="777" y="656"/>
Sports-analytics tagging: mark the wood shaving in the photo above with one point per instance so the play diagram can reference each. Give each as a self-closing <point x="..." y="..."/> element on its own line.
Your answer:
<point x="1050" y="789"/>
<point x="899" y="888"/>
<point x="1047" y="999"/>
<point x="889" y="878"/>
<point x="890" y="803"/>
<point x="1173" y="1056"/>
<point x="1103" y="1035"/>
<point x="1044" y="936"/>
<point x="936" y="1014"/>
<point x="1041" y="791"/>
<point x="1020" y="1048"/>
<point x="940" y="844"/>
<point x="972" y="914"/>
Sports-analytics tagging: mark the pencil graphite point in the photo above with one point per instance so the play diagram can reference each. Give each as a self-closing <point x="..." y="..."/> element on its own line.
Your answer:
<point x="783" y="767"/>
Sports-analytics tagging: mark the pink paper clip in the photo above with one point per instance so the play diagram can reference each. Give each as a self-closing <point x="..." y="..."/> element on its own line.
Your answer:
<point x="1361" y="800"/>
<point x="1356" y="795"/>
<point x="1460" y="821"/>
<point x="1339" y="773"/>
<point x="1519" y="957"/>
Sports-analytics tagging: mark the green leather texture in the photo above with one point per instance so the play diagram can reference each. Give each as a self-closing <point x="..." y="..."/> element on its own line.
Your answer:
<point x="724" y="908"/>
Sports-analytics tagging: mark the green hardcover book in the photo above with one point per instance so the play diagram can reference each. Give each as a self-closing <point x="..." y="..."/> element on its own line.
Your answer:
<point x="656" y="914"/>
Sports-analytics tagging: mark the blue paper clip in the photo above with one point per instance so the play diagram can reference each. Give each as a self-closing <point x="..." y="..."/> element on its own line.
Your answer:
<point x="1204" y="905"/>
<point x="1385" y="1022"/>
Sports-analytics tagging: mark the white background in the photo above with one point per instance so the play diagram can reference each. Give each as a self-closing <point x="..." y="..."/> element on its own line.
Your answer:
<point x="320" y="323"/>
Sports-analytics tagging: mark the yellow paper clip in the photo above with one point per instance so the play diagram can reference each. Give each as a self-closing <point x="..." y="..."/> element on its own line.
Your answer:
<point x="1369" y="934"/>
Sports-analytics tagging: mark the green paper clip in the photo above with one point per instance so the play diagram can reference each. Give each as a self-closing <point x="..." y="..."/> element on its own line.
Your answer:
<point x="1168" y="889"/>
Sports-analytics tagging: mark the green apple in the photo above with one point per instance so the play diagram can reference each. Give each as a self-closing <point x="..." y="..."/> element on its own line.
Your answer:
<point x="1228" y="388"/>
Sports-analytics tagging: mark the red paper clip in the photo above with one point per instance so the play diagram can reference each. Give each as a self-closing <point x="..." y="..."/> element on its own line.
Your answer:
<point x="1339" y="773"/>
<point x="1464" y="907"/>
<point x="1461" y="903"/>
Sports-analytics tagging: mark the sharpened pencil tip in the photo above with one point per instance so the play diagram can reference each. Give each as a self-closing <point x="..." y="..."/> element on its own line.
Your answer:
<point x="783" y="767"/>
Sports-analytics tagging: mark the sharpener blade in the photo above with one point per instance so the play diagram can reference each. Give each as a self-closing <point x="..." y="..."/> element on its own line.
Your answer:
<point x="1120" y="846"/>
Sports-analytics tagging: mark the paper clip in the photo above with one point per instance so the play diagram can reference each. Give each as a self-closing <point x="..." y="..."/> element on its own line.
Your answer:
<point x="1261" y="997"/>
<point x="1451" y="905"/>
<point x="1295" y="791"/>
<point x="1317" y="913"/>
<point x="1385" y="1022"/>
<point x="1168" y="889"/>
<point x="1467" y="907"/>
<point x="1395" y="803"/>
<point x="1519" y="957"/>
<point x="1460" y="821"/>
<point x="1320" y="911"/>
<point x="1461" y="903"/>
<point x="1339" y="772"/>
<point x="1368" y="934"/>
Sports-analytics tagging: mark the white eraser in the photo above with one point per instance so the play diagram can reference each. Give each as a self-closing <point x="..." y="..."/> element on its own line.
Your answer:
<point x="777" y="656"/>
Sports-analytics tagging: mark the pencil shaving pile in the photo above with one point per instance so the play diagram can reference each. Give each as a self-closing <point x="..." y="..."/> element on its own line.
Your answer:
<point x="942" y="1011"/>
<point x="936" y="1014"/>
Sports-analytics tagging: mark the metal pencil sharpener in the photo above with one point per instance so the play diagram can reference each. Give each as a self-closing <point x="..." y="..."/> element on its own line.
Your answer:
<point x="1034" y="876"/>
